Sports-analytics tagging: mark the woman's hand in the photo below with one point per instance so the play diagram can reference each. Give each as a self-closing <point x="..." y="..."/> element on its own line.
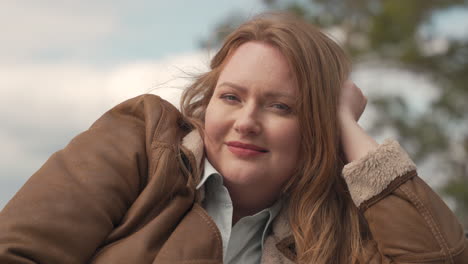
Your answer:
<point x="355" y="141"/>
<point x="352" y="102"/>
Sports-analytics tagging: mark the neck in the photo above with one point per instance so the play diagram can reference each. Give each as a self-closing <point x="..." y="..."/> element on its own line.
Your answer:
<point x="248" y="201"/>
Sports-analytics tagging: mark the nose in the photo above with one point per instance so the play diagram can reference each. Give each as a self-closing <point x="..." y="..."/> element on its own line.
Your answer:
<point x="247" y="121"/>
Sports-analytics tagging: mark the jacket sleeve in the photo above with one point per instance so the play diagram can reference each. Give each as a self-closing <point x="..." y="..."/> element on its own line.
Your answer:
<point x="69" y="206"/>
<point x="408" y="222"/>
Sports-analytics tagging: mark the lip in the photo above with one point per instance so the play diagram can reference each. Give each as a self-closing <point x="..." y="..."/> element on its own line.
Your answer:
<point x="245" y="150"/>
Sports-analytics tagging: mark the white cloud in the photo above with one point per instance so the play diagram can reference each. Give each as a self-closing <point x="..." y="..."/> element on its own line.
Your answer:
<point x="31" y="27"/>
<point x="167" y="77"/>
<point x="76" y="93"/>
<point x="43" y="106"/>
<point x="451" y="23"/>
<point x="13" y="152"/>
<point x="105" y="29"/>
<point x="418" y="90"/>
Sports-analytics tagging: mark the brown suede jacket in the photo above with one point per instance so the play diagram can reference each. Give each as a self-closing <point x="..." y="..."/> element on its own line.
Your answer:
<point x="124" y="192"/>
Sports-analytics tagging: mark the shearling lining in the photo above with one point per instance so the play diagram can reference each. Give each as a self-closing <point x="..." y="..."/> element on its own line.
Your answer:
<point x="193" y="142"/>
<point x="370" y="175"/>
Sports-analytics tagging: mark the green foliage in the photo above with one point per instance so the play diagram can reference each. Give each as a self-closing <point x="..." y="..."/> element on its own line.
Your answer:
<point x="399" y="32"/>
<point x="456" y="188"/>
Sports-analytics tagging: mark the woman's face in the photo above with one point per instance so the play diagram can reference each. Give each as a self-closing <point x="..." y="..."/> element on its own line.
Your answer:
<point x="252" y="132"/>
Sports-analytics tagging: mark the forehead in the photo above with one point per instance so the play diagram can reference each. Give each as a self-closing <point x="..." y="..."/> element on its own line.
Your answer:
<point x="261" y="66"/>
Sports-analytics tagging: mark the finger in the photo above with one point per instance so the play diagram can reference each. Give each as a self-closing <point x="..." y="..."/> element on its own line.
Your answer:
<point x="348" y="83"/>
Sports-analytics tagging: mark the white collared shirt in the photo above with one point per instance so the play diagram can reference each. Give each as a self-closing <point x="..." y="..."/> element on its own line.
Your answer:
<point x="243" y="242"/>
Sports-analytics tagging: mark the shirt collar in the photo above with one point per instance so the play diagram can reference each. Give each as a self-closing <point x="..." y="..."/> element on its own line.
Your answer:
<point x="209" y="171"/>
<point x="273" y="211"/>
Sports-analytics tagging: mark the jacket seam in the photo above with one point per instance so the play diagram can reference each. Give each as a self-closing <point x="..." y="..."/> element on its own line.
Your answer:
<point x="155" y="142"/>
<point x="427" y="216"/>
<point x="161" y="144"/>
<point x="459" y="251"/>
<point x="158" y="125"/>
<point x="392" y="186"/>
<point x="197" y="210"/>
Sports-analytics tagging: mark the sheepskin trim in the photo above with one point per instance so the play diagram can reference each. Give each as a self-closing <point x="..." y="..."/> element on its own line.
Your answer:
<point x="280" y="225"/>
<point x="370" y="175"/>
<point x="275" y="249"/>
<point x="272" y="254"/>
<point x="193" y="142"/>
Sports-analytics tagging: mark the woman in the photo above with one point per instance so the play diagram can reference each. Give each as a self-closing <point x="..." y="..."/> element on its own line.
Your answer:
<point x="252" y="170"/>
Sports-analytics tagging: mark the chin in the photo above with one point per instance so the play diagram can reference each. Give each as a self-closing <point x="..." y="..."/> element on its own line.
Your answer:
<point x="241" y="176"/>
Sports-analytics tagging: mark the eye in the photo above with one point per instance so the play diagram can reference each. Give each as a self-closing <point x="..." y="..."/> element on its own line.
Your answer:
<point x="230" y="98"/>
<point x="281" y="107"/>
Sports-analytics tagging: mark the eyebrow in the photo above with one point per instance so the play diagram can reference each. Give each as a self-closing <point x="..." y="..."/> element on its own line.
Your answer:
<point x="267" y="94"/>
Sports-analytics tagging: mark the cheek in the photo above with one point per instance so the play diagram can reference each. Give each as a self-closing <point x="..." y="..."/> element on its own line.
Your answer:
<point x="289" y="138"/>
<point x="288" y="146"/>
<point x="214" y="125"/>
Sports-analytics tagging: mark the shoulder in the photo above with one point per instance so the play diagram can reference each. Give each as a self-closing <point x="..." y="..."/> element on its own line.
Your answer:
<point x="157" y="116"/>
<point x="146" y="103"/>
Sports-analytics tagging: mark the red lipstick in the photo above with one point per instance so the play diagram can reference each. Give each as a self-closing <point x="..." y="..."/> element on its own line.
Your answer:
<point x="245" y="150"/>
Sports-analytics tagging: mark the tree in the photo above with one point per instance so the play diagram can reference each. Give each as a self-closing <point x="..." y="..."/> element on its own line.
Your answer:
<point x="399" y="34"/>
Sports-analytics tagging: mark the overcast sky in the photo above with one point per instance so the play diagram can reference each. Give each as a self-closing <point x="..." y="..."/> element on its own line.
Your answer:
<point x="64" y="63"/>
